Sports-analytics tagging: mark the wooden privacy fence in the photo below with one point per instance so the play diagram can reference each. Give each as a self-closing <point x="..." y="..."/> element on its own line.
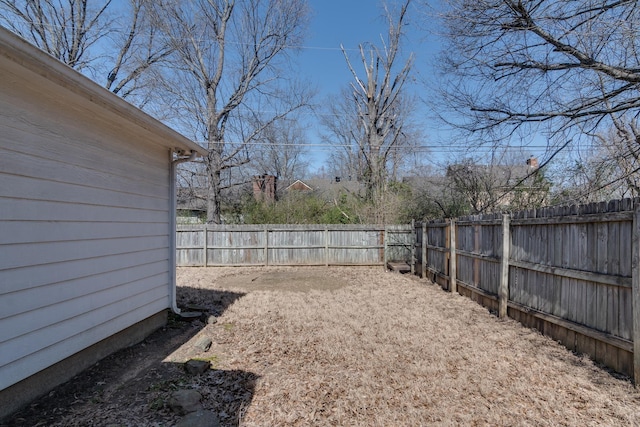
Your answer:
<point x="244" y="245"/>
<point x="570" y="272"/>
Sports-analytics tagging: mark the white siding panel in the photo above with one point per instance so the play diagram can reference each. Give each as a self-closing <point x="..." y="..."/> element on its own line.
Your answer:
<point x="37" y="298"/>
<point x="20" y="187"/>
<point x="45" y="357"/>
<point x="72" y="142"/>
<point x="33" y="342"/>
<point x="22" y="279"/>
<point x="37" y="210"/>
<point x="84" y="228"/>
<point x="22" y="255"/>
<point x="55" y="231"/>
<point x="29" y="324"/>
<point x="94" y="175"/>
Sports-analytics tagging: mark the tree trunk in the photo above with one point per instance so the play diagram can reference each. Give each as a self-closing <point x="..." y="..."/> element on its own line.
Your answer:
<point x="213" y="166"/>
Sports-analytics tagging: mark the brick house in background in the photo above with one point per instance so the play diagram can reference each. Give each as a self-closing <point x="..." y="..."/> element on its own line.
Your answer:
<point x="327" y="189"/>
<point x="264" y="188"/>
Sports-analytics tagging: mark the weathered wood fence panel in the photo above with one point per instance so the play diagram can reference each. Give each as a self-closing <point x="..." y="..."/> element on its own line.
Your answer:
<point x="436" y="235"/>
<point x="478" y="251"/>
<point x="244" y="245"/>
<point x="569" y="273"/>
<point x="399" y="241"/>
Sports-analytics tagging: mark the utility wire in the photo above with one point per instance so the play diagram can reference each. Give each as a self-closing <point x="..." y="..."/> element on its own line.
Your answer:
<point x="210" y="40"/>
<point x="430" y="147"/>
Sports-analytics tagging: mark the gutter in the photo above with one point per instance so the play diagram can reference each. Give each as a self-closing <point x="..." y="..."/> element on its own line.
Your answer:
<point x="180" y="157"/>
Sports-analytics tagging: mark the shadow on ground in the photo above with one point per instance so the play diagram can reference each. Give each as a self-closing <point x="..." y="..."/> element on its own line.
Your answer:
<point x="134" y="386"/>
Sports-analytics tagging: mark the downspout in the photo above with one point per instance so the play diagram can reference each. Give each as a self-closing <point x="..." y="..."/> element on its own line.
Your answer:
<point x="172" y="219"/>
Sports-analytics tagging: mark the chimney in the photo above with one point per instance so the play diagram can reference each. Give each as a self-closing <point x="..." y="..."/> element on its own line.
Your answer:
<point x="258" y="187"/>
<point x="270" y="183"/>
<point x="532" y="162"/>
<point x="264" y="188"/>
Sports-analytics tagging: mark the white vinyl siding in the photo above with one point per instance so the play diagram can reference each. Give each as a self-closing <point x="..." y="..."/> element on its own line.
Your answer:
<point x="84" y="227"/>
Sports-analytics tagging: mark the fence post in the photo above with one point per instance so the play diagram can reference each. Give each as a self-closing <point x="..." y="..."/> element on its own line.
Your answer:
<point x="503" y="291"/>
<point x="424" y="249"/>
<point x="326" y="246"/>
<point x="204" y="248"/>
<point x="266" y="246"/>
<point x="413" y="247"/>
<point x="635" y="294"/>
<point x="384" y="244"/>
<point x="453" y="286"/>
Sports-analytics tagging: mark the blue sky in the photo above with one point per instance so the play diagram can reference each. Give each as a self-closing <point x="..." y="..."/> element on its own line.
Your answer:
<point x="351" y="23"/>
<point x="335" y="22"/>
<point x="354" y="22"/>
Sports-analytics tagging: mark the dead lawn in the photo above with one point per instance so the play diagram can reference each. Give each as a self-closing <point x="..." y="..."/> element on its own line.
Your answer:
<point x="360" y="347"/>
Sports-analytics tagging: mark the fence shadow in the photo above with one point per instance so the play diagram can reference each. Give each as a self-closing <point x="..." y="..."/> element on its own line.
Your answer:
<point x="135" y="385"/>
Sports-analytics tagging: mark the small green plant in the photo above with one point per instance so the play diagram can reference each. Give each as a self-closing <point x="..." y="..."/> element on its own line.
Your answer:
<point x="157" y="404"/>
<point x="173" y="321"/>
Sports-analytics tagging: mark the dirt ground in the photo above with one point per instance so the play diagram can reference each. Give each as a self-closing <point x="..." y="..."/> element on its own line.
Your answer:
<point x="340" y="346"/>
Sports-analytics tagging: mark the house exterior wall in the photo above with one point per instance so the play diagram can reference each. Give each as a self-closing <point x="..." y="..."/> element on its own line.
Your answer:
<point x="84" y="214"/>
<point x="85" y="221"/>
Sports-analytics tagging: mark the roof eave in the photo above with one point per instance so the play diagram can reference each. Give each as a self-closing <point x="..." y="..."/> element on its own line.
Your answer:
<point x="19" y="51"/>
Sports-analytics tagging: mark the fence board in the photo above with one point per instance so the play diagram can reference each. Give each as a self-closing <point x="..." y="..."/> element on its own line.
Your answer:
<point x="569" y="271"/>
<point x="292" y="244"/>
<point x="635" y="250"/>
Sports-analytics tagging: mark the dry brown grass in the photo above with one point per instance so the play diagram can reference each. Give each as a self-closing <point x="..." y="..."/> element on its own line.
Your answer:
<point x="369" y="348"/>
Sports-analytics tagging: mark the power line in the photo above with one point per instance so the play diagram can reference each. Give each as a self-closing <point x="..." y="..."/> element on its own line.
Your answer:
<point x="440" y="147"/>
<point x="189" y="39"/>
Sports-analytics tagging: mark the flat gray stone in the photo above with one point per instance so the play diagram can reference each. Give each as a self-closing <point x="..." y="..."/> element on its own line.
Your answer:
<point x="197" y="367"/>
<point x="200" y="418"/>
<point x="203" y="343"/>
<point x="185" y="401"/>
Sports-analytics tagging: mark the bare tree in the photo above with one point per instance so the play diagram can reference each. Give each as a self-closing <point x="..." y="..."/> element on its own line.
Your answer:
<point x="582" y="181"/>
<point x="341" y="129"/>
<point x="608" y="169"/>
<point x="620" y="148"/>
<point x="475" y="183"/>
<point x="408" y="151"/>
<point x="139" y="47"/>
<point x="377" y="99"/>
<point x="226" y="73"/>
<point x="501" y="182"/>
<point x="561" y="67"/>
<point x="64" y="29"/>
<point x="282" y="152"/>
<point x="115" y="49"/>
